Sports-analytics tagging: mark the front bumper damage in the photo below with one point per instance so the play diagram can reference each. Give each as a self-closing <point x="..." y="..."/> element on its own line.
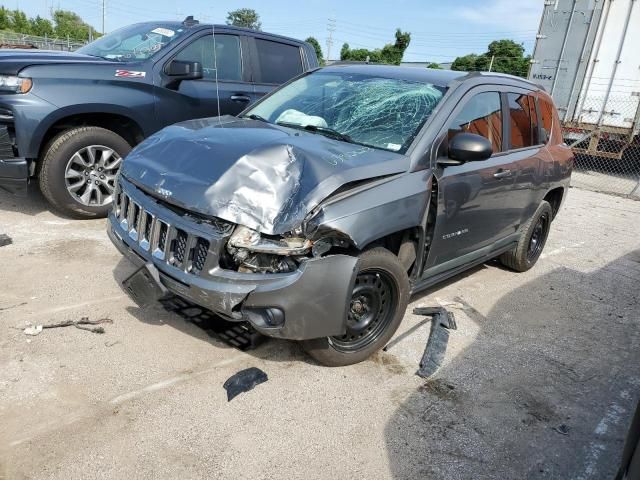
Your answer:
<point x="309" y="302"/>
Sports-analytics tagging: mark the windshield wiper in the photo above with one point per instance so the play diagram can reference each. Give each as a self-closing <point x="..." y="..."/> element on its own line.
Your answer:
<point x="323" y="130"/>
<point x="253" y="116"/>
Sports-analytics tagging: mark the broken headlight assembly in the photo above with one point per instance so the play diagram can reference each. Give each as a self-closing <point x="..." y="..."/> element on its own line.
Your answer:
<point x="254" y="252"/>
<point x="13" y="84"/>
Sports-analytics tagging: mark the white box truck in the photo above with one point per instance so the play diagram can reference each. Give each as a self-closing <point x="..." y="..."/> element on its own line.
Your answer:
<point x="587" y="55"/>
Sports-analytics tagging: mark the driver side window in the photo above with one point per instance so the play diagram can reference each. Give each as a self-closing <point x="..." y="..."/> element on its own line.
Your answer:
<point x="227" y="57"/>
<point x="481" y="115"/>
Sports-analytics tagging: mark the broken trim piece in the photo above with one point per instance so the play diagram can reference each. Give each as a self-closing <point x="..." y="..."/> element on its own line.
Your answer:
<point x="433" y="356"/>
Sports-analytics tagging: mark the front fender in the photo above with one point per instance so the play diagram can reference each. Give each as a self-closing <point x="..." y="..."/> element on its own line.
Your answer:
<point x="34" y="143"/>
<point x="376" y="212"/>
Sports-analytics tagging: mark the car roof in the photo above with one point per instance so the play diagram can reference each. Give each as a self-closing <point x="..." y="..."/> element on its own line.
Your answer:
<point x="203" y="26"/>
<point x="438" y="77"/>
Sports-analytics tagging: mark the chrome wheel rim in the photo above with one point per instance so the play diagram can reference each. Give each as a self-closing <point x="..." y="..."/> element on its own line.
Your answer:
<point x="90" y="175"/>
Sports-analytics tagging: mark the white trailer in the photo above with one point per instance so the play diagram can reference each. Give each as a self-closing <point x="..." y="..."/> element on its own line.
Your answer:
<point x="587" y="55"/>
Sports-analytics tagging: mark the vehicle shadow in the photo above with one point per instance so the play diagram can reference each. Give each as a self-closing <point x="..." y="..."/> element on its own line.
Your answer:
<point x="552" y="362"/>
<point x="32" y="204"/>
<point x="268" y="349"/>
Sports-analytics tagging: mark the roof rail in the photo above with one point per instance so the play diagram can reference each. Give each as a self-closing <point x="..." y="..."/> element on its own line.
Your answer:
<point x="504" y="75"/>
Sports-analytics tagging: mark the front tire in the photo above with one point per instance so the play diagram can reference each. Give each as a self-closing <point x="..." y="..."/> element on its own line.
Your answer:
<point x="532" y="240"/>
<point x="78" y="170"/>
<point x="378" y="303"/>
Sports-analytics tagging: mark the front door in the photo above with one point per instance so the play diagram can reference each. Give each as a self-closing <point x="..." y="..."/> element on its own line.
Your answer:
<point x="474" y="209"/>
<point x="225" y="83"/>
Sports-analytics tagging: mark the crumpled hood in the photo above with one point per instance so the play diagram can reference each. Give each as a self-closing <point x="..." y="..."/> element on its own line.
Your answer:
<point x="249" y="172"/>
<point x="14" y="60"/>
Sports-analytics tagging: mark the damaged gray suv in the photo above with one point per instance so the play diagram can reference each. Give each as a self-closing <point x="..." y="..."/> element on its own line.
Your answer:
<point x="316" y="213"/>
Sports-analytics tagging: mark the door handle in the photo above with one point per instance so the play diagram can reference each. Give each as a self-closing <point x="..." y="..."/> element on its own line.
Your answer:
<point x="502" y="173"/>
<point x="240" y="98"/>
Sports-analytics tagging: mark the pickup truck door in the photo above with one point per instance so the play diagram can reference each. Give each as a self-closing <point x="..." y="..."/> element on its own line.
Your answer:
<point x="475" y="209"/>
<point x="226" y="80"/>
<point x="274" y="63"/>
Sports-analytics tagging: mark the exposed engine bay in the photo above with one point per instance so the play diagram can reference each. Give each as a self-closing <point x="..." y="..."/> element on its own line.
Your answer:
<point x="253" y="252"/>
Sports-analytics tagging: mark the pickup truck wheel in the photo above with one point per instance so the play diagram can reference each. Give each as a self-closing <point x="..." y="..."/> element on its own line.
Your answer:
<point x="532" y="241"/>
<point x="378" y="302"/>
<point x="78" y="171"/>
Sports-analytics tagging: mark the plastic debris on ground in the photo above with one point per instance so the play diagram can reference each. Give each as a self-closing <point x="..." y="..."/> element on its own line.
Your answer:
<point x="5" y="240"/>
<point x="243" y="381"/>
<point x="433" y="356"/>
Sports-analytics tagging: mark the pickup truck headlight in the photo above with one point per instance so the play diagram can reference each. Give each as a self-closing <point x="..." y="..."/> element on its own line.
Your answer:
<point x="10" y="83"/>
<point x="254" y="242"/>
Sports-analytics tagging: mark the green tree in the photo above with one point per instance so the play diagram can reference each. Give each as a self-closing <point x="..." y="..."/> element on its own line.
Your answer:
<point x="70" y="24"/>
<point x="391" y="53"/>
<point x="434" y="66"/>
<point x="5" y="19"/>
<point x="244" y="17"/>
<point x="316" y="46"/>
<point x="41" y="26"/>
<point x="20" y="22"/>
<point x="508" y="57"/>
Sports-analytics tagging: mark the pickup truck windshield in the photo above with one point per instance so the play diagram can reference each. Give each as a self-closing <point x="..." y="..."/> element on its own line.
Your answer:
<point x="379" y="112"/>
<point x="135" y="42"/>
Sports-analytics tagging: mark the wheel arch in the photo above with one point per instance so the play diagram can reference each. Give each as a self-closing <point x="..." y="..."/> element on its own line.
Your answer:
<point x="555" y="196"/>
<point x="111" y="117"/>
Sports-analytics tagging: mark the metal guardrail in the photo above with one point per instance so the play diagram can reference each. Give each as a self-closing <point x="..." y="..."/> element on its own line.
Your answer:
<point x="47" y="43"/>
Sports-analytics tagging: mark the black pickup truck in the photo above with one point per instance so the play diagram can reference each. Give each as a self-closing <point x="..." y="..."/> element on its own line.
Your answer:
<point x="69" y="118"/>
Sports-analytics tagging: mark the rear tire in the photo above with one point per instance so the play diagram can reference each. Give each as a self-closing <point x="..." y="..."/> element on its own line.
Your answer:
<point x="83" y="154"/>
<point x="379" y="300"/>
<point x="532" y="240"/>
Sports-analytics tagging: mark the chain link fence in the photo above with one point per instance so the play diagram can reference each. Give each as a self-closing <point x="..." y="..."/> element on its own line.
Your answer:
<point x="19" y="40"/>
<point x="606" y="145"/>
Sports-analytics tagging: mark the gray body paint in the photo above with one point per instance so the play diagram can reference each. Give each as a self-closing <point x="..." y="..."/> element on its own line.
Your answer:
<point x="248" y="172"/>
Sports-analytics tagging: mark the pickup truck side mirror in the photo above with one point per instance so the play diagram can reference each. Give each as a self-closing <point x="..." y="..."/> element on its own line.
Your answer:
<point x="469" y="147"/>
<point x="180" y="70"/>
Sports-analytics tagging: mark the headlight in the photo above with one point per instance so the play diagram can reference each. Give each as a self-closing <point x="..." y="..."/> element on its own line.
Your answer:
<point x="9" y="83"/>
<point x="252" y="241"/>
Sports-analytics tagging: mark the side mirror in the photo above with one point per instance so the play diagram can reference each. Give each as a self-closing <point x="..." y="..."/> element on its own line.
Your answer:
<point x="180" y="70"/>
<point x="469" y="147"/>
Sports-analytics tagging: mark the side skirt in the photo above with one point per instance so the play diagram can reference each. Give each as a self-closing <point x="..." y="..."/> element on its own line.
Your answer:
<point x="439" y="277"/>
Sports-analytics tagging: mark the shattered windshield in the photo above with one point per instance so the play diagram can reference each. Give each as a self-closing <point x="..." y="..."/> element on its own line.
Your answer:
<point x="379" y="112"/>
<point x="135" y="42"/>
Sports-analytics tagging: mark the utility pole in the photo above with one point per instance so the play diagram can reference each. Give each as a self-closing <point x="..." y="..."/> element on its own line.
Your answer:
<point x="331" y="27"/>
<point x="491" y="62"/>
<point x="104" y="9"/>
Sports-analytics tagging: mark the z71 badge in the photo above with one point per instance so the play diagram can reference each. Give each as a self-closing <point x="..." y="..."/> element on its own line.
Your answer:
<point x="130" y="74"/>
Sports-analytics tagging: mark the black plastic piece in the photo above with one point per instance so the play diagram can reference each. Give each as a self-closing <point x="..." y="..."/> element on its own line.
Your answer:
<point x="243" y="381"/>
<point x="433" y="356"/>
<point x="240" y="335"/>
<point x="144" y="285"/>
<point x="5" y="240"/>
<point x="14" y="175"/>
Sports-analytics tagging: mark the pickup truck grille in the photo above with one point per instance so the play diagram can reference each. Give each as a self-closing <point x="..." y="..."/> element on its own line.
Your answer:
<point x="177" y="247"/>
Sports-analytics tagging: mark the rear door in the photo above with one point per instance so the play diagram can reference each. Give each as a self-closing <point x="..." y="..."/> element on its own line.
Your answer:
<point x="526" y="152"/>
<point x="274" y="62"/>
<point x="226" y="84"/>
<point x="474" y="208"/>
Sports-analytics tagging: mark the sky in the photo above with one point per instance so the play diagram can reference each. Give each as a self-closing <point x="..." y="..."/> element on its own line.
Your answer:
<point x="440" y="30"/>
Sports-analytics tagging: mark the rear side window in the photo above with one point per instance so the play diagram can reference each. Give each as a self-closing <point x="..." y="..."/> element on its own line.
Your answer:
<point x="546" y="116"/>
<point x="481" y="115"/>
<point x="227" y="58"/>
<point x="523" y="120"/>
<point x="278" y="62"/>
